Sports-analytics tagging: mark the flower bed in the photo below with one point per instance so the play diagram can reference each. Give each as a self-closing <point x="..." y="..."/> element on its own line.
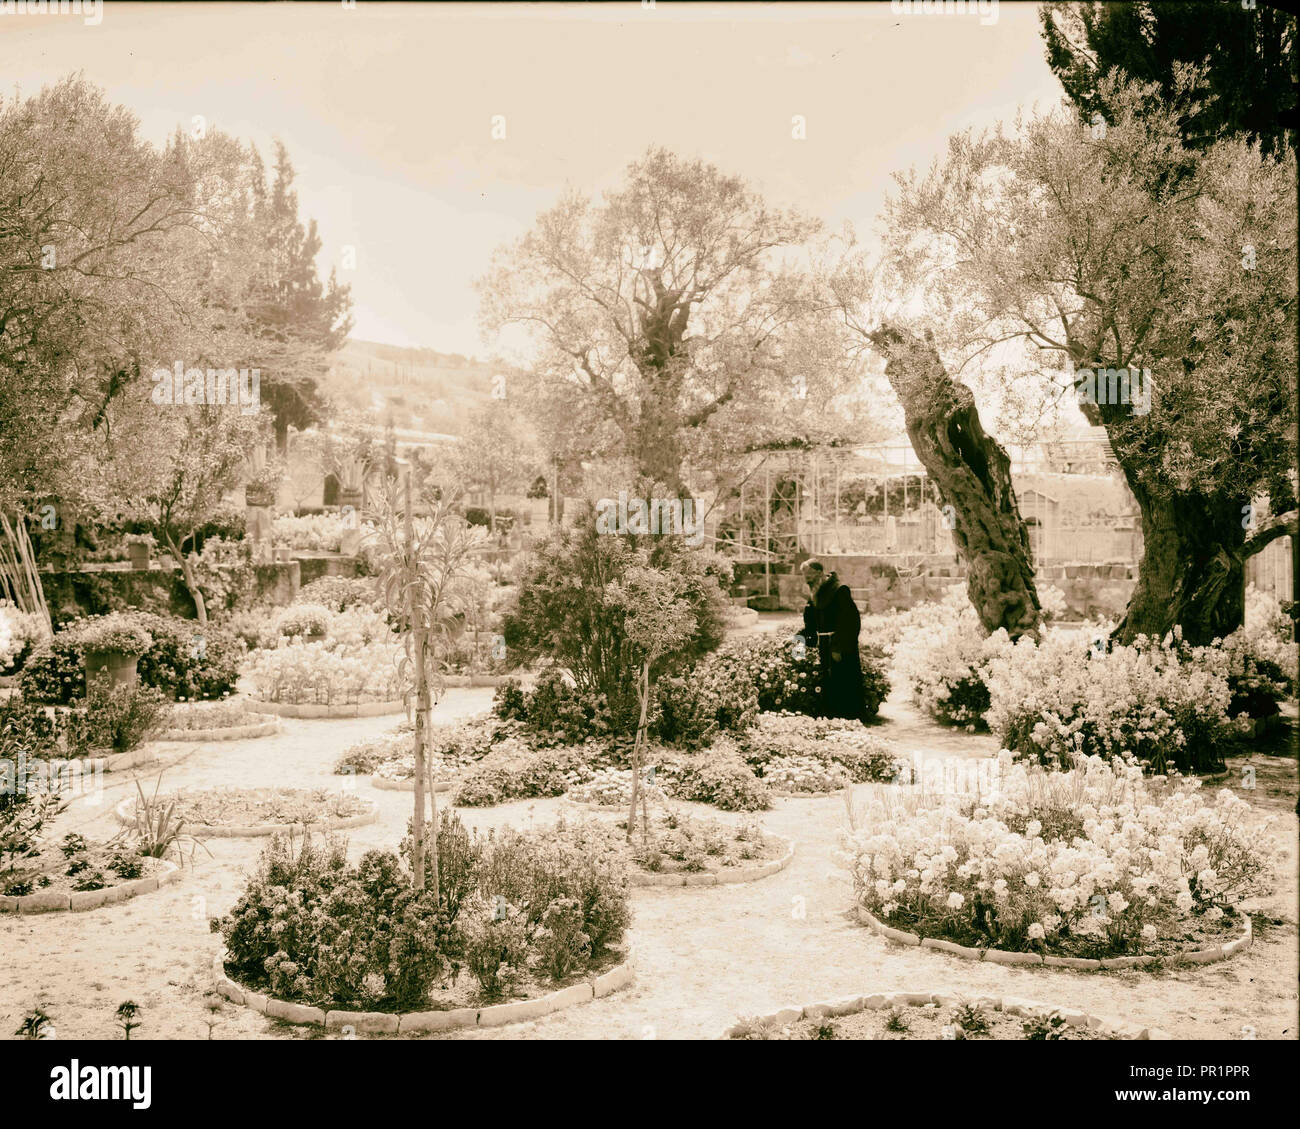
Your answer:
<point x="612" y="788"/>
<point x="1094" y="863"/>
<point x="314" y="674"/>
<point x="81" y="875"/>
<point x="515" y="915"/>
<point x="450" y="752"/>
<point x="220" y="721"/>
<point x="250" y="812"/>
<point x="935" y="1015"/>
<point x="1154" y="702"/>
<point x="799" y="755"/>
<point x="67" y="894"/>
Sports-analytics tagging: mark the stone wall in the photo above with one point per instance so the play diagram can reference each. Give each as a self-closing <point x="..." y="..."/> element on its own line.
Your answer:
<point x="880" y="585"/>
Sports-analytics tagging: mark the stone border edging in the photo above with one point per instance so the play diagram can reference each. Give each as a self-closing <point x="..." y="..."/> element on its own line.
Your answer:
<point x="260" y="830"/>
<point x="400" y="1023"/>
<point x="730" y="877"/>
<point x="230" y="733"/>
<point x="77" y="900"/>
<point x="115" y="762"/>
<point x="342" y="709"/>
<point x="386" y="785"/>
<point x="1011" y="1005"/>
<point x="1007" y="956"/>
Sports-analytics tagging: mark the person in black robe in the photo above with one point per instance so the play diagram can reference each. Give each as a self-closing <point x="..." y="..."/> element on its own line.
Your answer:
<point x="831" y="623"/>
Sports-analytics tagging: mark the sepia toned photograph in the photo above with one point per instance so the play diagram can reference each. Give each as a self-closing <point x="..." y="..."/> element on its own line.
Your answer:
<point x="648" y="522"/>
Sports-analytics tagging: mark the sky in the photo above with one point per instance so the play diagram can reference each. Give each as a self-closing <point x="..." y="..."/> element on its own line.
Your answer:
<point x="387" y="111"/>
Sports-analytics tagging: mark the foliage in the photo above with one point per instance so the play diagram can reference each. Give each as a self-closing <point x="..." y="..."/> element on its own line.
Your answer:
<point x="115" y="717"/>
<point x="555" y="711"/>
<point x="310" y="926"/>
<point x="183" y="660"/>
<point x="118" y="632"/>
<point x="312" y="673"/>
<point x="561" y="610"/>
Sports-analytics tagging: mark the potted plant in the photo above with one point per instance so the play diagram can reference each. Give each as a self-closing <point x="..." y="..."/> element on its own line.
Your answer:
<point x="114" y="643"/>
<point x="139" y="546"/>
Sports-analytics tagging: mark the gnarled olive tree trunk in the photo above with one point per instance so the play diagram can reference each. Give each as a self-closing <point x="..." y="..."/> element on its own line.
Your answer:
<point x="973" y="475"/>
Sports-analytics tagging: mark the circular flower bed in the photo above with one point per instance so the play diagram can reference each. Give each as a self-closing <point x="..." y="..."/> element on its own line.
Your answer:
<point x="96" y="886"/>
<point x="679" y="850"/>
<point x="935" y="1015"/>
<point x="519" y="924"/>
<point x="446" y="1019"/>
<point x="804" y="756"/>
<point x="218" y="721"/>
<point x="1093" y="864"/>
<point x="249" y="812"/>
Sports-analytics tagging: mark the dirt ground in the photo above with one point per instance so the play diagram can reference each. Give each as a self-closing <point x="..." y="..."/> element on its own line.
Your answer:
<point x="704" y="955"/>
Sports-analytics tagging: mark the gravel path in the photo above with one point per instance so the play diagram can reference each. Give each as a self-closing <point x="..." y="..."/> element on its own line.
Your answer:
<point x="703" y="955"/>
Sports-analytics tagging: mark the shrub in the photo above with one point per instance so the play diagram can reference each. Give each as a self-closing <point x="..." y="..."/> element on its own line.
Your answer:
<point x="496" y="942"/>
<point x="116" y="631"/>
<point x="1090" y="862"/>
<point x="560" y="609"/>
<point x="555" y="711"/>
<point x="116" y="717"/>
<point x="562" y="945"/>
<point x="718" y="776"/>
<point x="514" y="771"/>
<point x="304" y="619"/>
<point x="694" y="708"/>
<point x="183" y="660"/>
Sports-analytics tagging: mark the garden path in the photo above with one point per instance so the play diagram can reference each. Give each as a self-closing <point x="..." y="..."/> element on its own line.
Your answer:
<point x="703" y="956"/>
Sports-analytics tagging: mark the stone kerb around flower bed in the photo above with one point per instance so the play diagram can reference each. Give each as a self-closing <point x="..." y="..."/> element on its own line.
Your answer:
<point x="125" y="815"/>
<point x="340" y="709"/>
<point x="400" y="1023"/>
<point x="45" y="902"/>
<point x="1011" y="1005"/>
<point x="386" y="785"/>
<point x="728" y="877"/>
<point x="264" y="728"/>
<point x="1004" y="956"/>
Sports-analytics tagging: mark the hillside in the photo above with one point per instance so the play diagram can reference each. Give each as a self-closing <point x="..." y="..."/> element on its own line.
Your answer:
<point x="421" y="389"/>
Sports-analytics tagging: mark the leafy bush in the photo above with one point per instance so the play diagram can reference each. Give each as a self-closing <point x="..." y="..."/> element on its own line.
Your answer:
<point x="513" y="771"/>
<point x="183" y="660"/>
<point x="718" y="776"/>
<point x="560" y="609"/>
<point x="311" y="927"/>
<point x="117" y="632"/>
<point x="303" y="619"/>
<point x="554" y="711"/>
<point x="116" y="717"/>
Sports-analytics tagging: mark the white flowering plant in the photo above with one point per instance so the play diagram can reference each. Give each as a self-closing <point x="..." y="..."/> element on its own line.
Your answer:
<point x="1156" y="702"/>
<point x="944" y="659"/>
<point x="1093" y="862"/>
<point x="313" y="673"/>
